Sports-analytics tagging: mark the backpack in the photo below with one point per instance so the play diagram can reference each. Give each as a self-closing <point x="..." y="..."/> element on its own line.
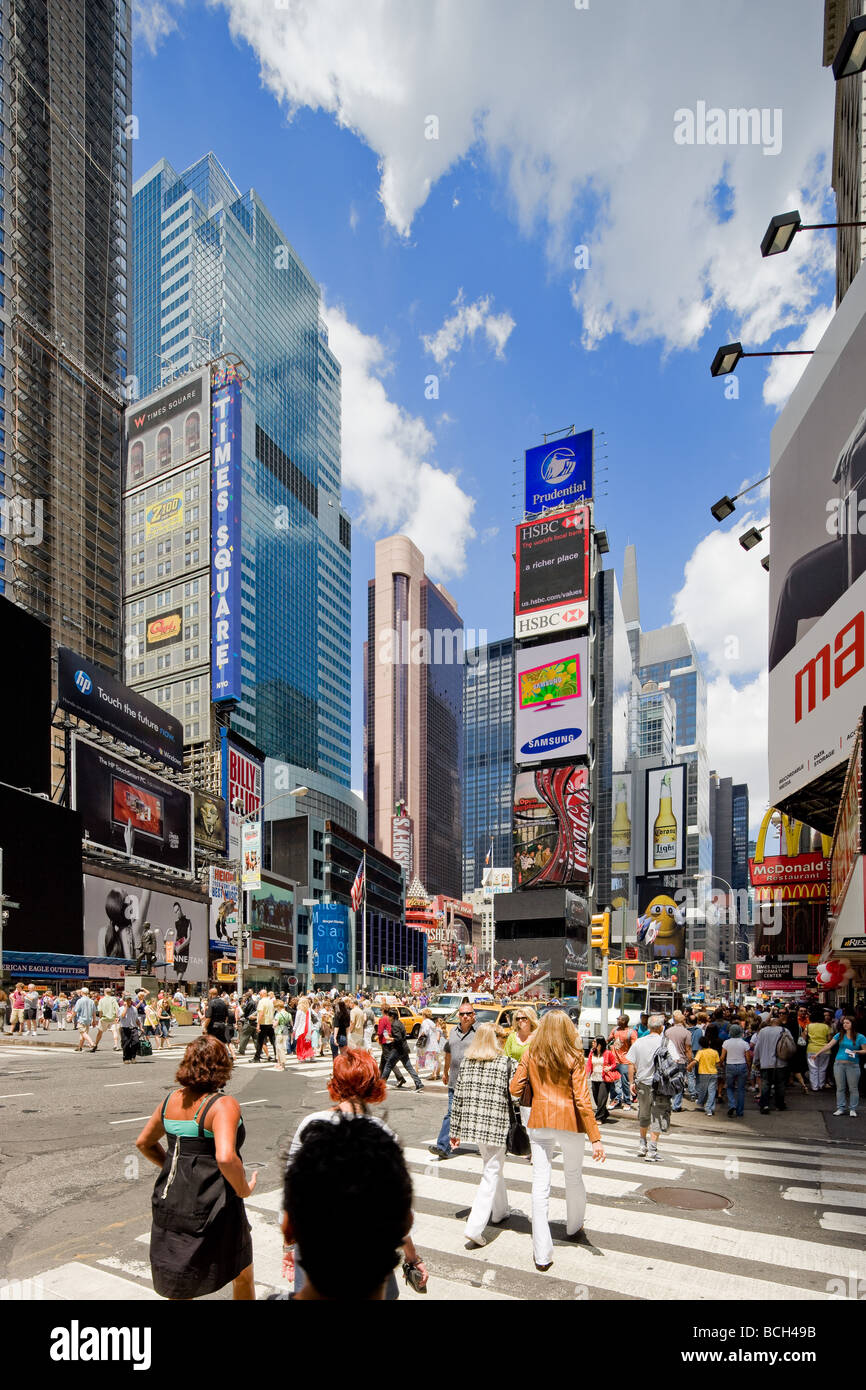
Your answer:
<point x="785" y="1046"/>
<point x="667" y="1076"/>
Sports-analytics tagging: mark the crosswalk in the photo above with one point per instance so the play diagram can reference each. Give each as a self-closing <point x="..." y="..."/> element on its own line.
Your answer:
<point x="638" y="1248"/>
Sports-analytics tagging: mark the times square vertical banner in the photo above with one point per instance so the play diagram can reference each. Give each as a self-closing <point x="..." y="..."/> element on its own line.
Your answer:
<point x="226" y="479"/>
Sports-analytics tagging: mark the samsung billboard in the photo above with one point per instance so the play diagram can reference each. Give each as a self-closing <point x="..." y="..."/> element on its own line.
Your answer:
<point x="226" y="481"/>
<point x="818" y="571"/>
<point x="551" y="591"/>
<point x="559" y="474"/>
<point x="551" y="701"/>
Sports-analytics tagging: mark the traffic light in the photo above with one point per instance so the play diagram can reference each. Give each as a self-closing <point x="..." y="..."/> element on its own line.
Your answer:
<point x="614" y="973"/>
<point x="675" y="966"/>
<point x="599" y="932"/>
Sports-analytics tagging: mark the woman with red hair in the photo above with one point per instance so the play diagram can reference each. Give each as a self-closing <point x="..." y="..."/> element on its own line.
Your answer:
<point x="354" y="1086"/>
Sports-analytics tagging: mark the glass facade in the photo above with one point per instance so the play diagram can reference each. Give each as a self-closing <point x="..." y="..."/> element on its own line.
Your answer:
<point x="214" y="274"/>
<point x="488" y="756"/>
<point x="442" y="741"/>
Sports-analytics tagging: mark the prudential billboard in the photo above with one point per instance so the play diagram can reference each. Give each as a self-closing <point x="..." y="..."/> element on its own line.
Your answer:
<point x="551" y="701"/>
<point x="559" y="474"/>
<point x="226" y="474"/>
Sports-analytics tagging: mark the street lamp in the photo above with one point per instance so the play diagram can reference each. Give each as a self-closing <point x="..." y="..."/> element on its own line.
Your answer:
<point x="722" y="509"/>
<point x="765" y="563"/>
<point x="785" y="226"/>
<point x="238" y="806"/>
<point x="727" y="357"/>
<point x="749" y="539"/>
<point x="851" y="57"/>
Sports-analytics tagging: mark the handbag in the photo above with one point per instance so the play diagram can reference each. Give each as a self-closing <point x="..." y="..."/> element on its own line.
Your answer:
<point x="517" y="1139"/>
<point x="145" y="1047"/>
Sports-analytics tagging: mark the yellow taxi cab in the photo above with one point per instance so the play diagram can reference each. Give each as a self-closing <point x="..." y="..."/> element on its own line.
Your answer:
<point x="410" y="1020"/>
<point x="500" y="1015"/>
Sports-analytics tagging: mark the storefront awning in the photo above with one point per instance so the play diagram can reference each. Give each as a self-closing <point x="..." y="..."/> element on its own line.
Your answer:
<point x="49" y="966"/>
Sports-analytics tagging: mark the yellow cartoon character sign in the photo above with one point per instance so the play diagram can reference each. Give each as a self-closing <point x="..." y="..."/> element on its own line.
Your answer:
<point x="662" y="926"/>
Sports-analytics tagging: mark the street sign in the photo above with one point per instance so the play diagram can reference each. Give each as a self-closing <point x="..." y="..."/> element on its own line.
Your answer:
<point x="292" y="980"/>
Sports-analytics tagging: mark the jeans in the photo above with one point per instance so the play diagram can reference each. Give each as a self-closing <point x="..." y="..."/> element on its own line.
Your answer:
<point x="847" y="1074"/>
<point x="491" y="1199"/>
<point x="818" y="1064"/>
<point x="394" y="1059"/>
<point x="678" y="1098"/>
<point x="443" y="1143"/>
<point x="543" y="1142"/>
<point x="692" y="1085"/>
<point x="599" y="1097"/>
<point x="773" y="1080"/>
<point x="707" y="1086"/>
<point x="735" y="1078"/>
<point x="624" y="1092"/>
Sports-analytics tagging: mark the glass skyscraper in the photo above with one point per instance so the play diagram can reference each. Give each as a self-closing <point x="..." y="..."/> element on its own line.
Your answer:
<point x="488" y="757"/>
<point x="213" y="274"/>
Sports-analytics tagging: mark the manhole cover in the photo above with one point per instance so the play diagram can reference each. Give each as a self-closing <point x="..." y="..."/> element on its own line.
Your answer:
<point x="689" y="1198"/>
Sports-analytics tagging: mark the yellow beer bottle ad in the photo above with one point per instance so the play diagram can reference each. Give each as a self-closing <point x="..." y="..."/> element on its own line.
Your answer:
<point x="620" y="835"/>
<point x="665" y="830"/>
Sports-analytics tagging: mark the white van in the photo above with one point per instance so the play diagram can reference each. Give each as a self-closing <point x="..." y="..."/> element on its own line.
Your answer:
<point x="447" y="1003"/>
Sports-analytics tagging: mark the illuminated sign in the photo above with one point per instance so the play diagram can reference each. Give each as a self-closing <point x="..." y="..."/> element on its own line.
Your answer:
<point x="226" y="477"/>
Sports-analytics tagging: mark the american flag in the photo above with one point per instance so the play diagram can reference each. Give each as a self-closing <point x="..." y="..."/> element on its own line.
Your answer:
<point x="358" y="887"/>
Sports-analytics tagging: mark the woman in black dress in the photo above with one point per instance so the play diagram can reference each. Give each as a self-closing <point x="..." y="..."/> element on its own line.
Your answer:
<point x="200" y="1239"/>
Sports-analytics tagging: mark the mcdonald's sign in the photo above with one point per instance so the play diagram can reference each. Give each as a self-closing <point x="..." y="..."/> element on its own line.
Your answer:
<point x="793" y="876"/>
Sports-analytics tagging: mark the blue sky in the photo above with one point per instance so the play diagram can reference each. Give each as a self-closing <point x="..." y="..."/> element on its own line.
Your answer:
<point x="555" y="129"/>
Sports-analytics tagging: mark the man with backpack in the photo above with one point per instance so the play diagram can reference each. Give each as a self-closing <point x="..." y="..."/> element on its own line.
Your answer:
<point x="772" y="1049"/>
<point x="654" y="1064"/>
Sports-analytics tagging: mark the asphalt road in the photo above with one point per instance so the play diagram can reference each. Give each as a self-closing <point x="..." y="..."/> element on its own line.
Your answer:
<point x="76" y="1194"/>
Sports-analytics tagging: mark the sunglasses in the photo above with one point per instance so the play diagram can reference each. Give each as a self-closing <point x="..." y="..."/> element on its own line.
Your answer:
<point x="520" y="1018"/>
<point x="470" y="1013"/>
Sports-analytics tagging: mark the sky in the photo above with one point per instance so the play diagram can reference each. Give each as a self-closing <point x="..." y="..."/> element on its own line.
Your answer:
<point x="523" y="218"/>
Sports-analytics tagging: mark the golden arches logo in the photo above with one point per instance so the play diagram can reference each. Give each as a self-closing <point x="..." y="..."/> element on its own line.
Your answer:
<point x="791" y="833"/>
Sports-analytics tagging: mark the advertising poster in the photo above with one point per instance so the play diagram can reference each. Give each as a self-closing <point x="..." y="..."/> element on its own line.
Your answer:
<point x="662" y="926"/>
<point x="665" y="819"/>
<point x="242" y="782"/>
<point x="402" y="844"/>
<point x="551" y="826"/>
<point x="116" y="913"/>
<point x="163" y="516"/>
<point x="210" y="821"/>
<point x="272" y="918"/>
<point x="251" y="850"/>
<point x="226" y="480"/>
<point x="496" y="880"/>
<point x="164" y="630"/>
<point x="99" y="699"/>
<point x="330" y="939"/>
<point x="559" y="473"/>
<point x="124" y="808"/>
<point x="620" y="839"/>
<point x="552" y="582"/>
<point x="167" y="428"/>
<point x="818" y="568"/>
<point x="551" y="701"/>
<point x="223" y="921"/>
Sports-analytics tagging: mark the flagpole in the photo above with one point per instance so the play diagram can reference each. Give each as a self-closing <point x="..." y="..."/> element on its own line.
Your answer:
<point x="364" y="926"/>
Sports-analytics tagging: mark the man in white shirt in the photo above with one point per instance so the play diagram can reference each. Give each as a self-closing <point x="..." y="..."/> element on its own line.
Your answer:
<point x="653" y="1110"/>
<point x="764" y="1046"/>
<point x="265" y="1020"/>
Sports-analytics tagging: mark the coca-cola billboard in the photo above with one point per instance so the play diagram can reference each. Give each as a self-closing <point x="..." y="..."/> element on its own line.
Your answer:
<point x="551" y="826"/>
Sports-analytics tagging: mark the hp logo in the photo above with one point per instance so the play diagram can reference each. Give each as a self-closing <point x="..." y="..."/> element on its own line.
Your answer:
<point x="83" y="681"/>
<point x="558" y="466"/>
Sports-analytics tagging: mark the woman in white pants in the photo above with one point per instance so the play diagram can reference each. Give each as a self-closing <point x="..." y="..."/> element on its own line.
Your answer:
<point x="481" y="1113"/>
<point x="561" y="1116"/>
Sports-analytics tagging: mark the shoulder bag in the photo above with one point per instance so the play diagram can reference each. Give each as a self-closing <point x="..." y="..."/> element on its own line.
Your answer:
<point x="517" y="1140"/>
<point x="190" y="1192"/>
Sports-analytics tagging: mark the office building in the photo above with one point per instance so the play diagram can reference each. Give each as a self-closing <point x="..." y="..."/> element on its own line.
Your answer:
<point x="65" y="75"/>
<point x="729" y="827"/>
<point x="488" y="754"/>
<point x="214" y="275"/>
<point x="393" y="947"/>
<point x="848" y="170"/>
<point x="413" y="727"/>
<point x="614" y="685"/>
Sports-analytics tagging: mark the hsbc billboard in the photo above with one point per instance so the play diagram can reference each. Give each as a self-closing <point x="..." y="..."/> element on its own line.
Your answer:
<point x="552" y="579"/>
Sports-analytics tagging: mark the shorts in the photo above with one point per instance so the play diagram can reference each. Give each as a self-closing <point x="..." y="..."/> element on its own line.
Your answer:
<point x="84" y="1027"/>
<point x="29" y="1014"/>
<point x="650" y="1106"/>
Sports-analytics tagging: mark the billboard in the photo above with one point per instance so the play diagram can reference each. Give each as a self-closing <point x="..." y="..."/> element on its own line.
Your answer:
<point x="209" y="816"/>
<point x="163" y="630"/>
<point x="226" y="480"/>
<point x="272" y="917"/>
<point x="41" y="844"/>
<point x="163" y="516"/>
<point x="620" y="839"/>
<point x="560" y="473"/>
<point x="402" y="844"/>
<point x="665" y="819"/>
<point x="552" y="582"/>
<point x="223" y="893"/>
<point x="167" y="428"/>
<point x="25" y="759"/>
<point x="496" y="880"/>
<point x="848" y="838"/>
<point x="551" y="826"/>
<point x="551" y="701"/>
<point x="251" y="854"/>
<point x="88" y="691"/>
<point x="242" y="780"/>
<point x="662" y="925"/>
<point x="125" y="808"/>
<point x="330" y="939"/>
<point x="117" y="910"/>
<point x="818" y="571"/>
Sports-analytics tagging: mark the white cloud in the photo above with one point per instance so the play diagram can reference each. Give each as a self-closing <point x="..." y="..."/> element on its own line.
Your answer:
<point x="785" y="372"/>
<point x="354" y="217"/>
<point x="468" y="320"/>
<point x="724" y="600"/>
<point x="528" y="88"/>
<point x="386" y="457"/>
<point x="154" y="20"/>
<point x="737" y="736"/>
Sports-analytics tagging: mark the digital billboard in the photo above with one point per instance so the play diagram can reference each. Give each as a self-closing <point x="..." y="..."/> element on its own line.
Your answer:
<point x="25" y="758"/>
<point x="226" y="481"/>
<point x="272" y="918"/>
<point x="125" y="808"/>
<point x="551" y="826"/>
<point x="209" y="812"/>
<point x="167" y="428"/>
<point x="662" y="926"/>
<point x="559" y="473"/>
<point x="88" y="691"/>
<point x="817" y="646"/>
<point x="117" y="910"/>
<point x="665" y="820"/>
<point x="41" y="844"/>
<point x="551" y="701"/>
<point x="552" y="582"/>
<point x="330" y="939"/>
<point x="242" y="781"/>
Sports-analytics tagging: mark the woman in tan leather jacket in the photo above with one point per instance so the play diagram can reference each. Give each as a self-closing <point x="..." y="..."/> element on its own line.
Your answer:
<point x="561" y="1115"/>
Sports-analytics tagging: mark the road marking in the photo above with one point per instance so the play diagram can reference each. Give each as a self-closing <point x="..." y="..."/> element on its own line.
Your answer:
<point x="130" y="1121"/>
<point x="77" y="1282"/>
<point x="770" y="1170"/>
<point x="825" y="1196"/>
<point x="522" y="1171"/>
<point x="851" y="1225"/>
<point x="595" y="1181"/>
<point x="245" y="1103"/>
<point x="113" y="1085"/>
<point x="17" y="1095"/>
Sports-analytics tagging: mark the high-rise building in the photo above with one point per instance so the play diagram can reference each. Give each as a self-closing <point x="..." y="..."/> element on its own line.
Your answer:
<point x="611" y="716"/>
<point x="213" y="275"/>
<point x="413" y="726"/>
<point x="65" y="74"/>
<point x="848" y="175"/>
<point x="488" y="755"/>
<point x="729" y="826"/>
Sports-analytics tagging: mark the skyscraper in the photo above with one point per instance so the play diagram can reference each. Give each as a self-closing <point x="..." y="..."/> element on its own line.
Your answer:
<point x="64" y="205"/>
<point x="488" y="754"/>
<point x="215" y="274"/>
<point x="413" y="726"/>
<point x="848" y="174"/>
